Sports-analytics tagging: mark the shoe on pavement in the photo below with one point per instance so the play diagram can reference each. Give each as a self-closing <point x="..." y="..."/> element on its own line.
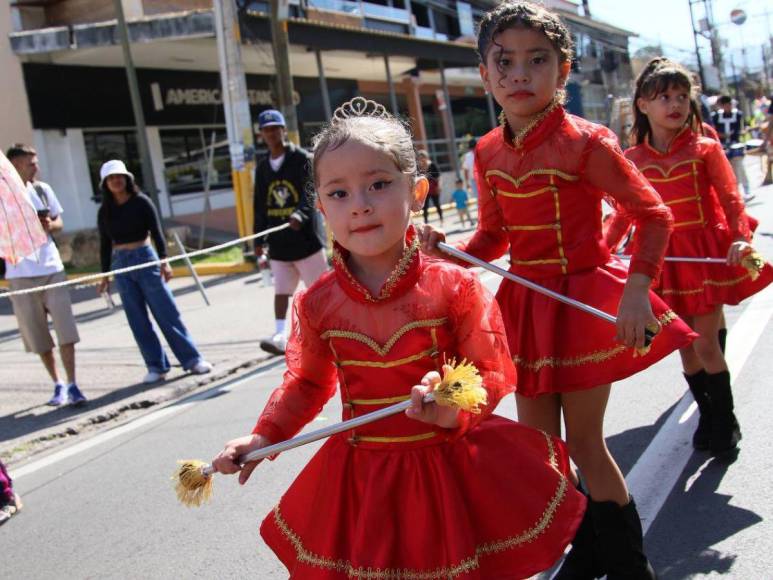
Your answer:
<point x="153" y="377"/>
<point x="75" y="396"/>
<point x="748" y="198"/>
<point x="59" y="397"/>
<point x="202" y="368"/>
<point x="275" y="345"/>
<point x="10" y="509"/>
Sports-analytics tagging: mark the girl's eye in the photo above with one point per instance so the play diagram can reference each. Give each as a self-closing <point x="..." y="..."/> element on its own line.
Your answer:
<point x="538" y="60"/>
<point x="380" y="185"/>
<point x="663" y="97"/>
<point x="337" y="194"/>
<point x="503" y="62"/>
<point x="682" y="97"/>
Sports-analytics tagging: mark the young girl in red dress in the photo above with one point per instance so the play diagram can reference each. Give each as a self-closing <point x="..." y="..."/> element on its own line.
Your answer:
<point x="542" y="176"/>
<point x="436" y="492"/>
<point x="692" y="174"/>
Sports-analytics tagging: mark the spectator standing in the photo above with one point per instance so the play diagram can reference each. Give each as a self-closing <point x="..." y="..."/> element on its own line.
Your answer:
<point x="10" y="502"/>
<point x="468" y="168"/>
<point x="43" y="268"/>
<point x="432" y="173"/>
<point x="460" y="197"/>
<point x="729" y="123"/>
<point x="282" y="187"/>
<point x="127" y="220"/>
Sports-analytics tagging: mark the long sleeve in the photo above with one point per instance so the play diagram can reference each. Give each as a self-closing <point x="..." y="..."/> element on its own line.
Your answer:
<point x="615" y="228"/>
<point x="489" y="242"/>
<point x="105" y="243"/>
<point x="607" y="169"/>
<point x="309" y="382"/>
<point x="723" y="181"/>
<point x="154" y="227"/>
<point x="478" y="326"/>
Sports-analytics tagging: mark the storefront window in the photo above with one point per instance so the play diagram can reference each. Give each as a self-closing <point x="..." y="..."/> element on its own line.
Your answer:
<point x="101" y="147"/>
<point x="186" y="155"/>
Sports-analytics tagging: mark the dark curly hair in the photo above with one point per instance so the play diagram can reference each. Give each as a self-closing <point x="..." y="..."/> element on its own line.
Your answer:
<point x="658" y="76"/>
<point x="524" y="15"/>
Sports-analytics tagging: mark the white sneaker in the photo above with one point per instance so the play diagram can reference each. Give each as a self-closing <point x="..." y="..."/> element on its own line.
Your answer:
<point x="153" y="377"/>
<point x="275" y="345"/>
<point x="202" y="368"/>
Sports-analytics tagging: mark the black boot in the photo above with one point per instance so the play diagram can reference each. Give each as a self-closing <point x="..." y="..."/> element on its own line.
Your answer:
<point x="722" y="337"/>
<point x="582" y="562"/>
<point x="620" y="537"/>
<point x="698" y="383"/>
<point x="725" y="431"/>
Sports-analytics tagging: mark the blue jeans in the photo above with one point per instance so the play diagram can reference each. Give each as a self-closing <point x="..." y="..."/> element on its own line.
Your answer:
<point x="143" y="289"/>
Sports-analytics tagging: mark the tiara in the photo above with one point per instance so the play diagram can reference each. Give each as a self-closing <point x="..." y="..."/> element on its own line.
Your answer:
<point x="360" y="107"/>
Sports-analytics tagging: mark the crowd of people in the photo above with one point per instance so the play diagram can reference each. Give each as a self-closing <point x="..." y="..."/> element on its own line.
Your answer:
<point x="382" y="325"/>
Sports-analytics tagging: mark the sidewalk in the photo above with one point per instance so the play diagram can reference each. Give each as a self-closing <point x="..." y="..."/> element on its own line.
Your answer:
<point x="109" y="365"/>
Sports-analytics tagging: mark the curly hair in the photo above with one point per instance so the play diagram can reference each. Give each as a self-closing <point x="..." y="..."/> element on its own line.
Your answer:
<point x="511" y="14"/>
<point x="659" y="75"/>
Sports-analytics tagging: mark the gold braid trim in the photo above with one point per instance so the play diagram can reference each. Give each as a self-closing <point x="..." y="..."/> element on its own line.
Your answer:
<point x="518" y="181"/>
<point x="718" y="283"/>
<point x="394" y="277"/>
<point x="667" y="173"/>
<point x="383" y="350"/>
<point x="388" y="364"/>
<point x="465" y="566"/>
<point x="595" y="357"/>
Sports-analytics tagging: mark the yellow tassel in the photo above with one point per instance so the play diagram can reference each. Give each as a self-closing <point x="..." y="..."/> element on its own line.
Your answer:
<point x="461" y="386"/>
<point x="653" y="327"/>
<point x="192" y="486"/>
<point x="753" y="262"/>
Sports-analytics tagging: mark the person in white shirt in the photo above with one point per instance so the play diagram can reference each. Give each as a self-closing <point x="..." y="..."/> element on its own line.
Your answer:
<point x="42" y="268"/>
<point x="468" y="169"/>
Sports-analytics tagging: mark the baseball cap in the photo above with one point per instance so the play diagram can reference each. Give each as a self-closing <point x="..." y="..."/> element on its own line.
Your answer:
<point x="270" y="118"/>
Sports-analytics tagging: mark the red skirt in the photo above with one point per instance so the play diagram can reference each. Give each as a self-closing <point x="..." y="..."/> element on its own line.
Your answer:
<point x="495" y="503"/>
<point x="695" y="289"/>
<point x="558" y="348"/>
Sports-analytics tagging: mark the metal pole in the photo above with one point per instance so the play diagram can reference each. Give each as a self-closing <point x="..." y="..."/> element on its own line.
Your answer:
<point x="139" y="117"/>
<point x="492" y="113"/>
<point x="190" y="267"/>
<point x="697" y="47"/>
<point x="281" y="45"/>
<point x="323" y="87"/>
<point x="390" y="82"/>
<point x="450" y="116"/>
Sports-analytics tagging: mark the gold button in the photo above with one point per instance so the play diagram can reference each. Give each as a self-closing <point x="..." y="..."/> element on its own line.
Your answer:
<point x="348" y="406"/>
<point x="557" y="226"/>
<point x="353" y="440"/>
<point x="564" y="261"/>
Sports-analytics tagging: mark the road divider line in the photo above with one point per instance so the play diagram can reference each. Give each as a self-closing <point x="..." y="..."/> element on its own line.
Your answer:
<point x="661" y="465"/>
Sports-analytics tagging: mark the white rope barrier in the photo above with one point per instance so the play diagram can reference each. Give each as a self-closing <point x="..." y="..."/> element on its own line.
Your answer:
<point x="91" y="278"/>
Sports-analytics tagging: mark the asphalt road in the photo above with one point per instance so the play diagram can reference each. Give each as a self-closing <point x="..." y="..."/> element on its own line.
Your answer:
<point x="105" y="508"/>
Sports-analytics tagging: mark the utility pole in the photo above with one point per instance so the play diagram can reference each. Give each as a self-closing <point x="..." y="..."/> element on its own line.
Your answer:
<point x="280" y="11"/>
<point x="695" y="34"/>
<point x="148" y="178"/>
<point x="236" y="106"/>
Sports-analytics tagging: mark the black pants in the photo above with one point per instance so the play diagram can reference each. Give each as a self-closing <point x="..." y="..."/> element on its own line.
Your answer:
<point x="435" y="199"/>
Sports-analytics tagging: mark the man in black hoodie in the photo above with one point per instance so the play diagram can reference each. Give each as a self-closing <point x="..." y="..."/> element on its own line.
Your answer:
<point x="283" y="193"/>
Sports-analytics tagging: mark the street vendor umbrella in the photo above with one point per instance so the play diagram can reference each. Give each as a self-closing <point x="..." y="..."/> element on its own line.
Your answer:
<point x="20" y="231"/>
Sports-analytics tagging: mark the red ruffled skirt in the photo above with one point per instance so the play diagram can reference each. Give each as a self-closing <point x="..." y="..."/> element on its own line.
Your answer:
<point x="695" y="289"/>
<point x="495" y="503"/>
<point x="558" y="348"/>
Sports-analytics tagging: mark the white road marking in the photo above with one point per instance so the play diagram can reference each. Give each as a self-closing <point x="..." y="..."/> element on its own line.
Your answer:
<point x="658" y="469"/>
<point x="172" y="409"/>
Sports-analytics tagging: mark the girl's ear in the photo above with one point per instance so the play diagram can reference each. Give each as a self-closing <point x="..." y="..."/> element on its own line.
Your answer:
<point x="420" y="190"/>
<point x="484" y="77"/>
<point x="318" y="204"/>
<point x="641" y="104"/>
<point x="563" y="73"/>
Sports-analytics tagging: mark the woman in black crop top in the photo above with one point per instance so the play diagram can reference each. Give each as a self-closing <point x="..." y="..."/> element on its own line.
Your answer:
<point x="127" y="221"/>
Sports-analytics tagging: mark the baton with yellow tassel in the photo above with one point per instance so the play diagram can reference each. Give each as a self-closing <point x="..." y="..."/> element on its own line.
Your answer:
<point x="752" y="261"/>
<point x="461" y="387"/>
<point x="649" y="333"/>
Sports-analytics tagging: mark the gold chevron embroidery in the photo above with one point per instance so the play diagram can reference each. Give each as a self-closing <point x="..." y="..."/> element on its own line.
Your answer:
<point x="388" y="364"/>
<point x="667" y="173"/>
<point x="383" y="350"/>
<point x="451" y="572"/>
<point x="517" y="181"/>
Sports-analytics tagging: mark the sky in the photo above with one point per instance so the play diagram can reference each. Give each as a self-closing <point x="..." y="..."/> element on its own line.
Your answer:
<point x="667" y="22"/>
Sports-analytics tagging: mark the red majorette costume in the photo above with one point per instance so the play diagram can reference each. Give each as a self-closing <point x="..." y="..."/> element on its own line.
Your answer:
<point x="540" y="197"/>
<point x="697" y="182"/>
<point x="399" y="498"/>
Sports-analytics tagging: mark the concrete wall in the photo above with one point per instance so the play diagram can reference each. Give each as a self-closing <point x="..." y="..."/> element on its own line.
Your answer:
<point x="70" y="12"/>
<point x="15" y="121"/>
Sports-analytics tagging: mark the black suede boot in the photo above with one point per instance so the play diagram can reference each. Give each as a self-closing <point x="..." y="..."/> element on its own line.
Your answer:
<point x="725" y="431"/>
<point x="620" y="537"/>
<point x="583" y="561"/>
<point x="701" y="439"/>
<point x="722" y="337"/>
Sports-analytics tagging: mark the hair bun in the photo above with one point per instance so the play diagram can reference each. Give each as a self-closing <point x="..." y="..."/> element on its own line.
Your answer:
<point x="360" y="107"/>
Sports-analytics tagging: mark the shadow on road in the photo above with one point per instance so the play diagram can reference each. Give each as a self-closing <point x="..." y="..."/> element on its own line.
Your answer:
<point x="696" y="518"/>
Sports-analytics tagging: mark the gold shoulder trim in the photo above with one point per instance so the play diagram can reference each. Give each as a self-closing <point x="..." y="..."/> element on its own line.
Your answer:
<point x="383" y="350"/>
<point x="465" y="566"/>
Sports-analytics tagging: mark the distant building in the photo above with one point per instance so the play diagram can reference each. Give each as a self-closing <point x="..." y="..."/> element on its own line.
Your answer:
<point x="78" y="100"/>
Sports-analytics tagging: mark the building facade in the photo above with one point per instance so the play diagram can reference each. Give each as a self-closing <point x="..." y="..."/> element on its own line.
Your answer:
<point x="416" y="57"/>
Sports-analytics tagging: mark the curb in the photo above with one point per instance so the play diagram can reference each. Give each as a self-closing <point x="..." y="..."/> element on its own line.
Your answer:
<point x="25" y="449"/>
